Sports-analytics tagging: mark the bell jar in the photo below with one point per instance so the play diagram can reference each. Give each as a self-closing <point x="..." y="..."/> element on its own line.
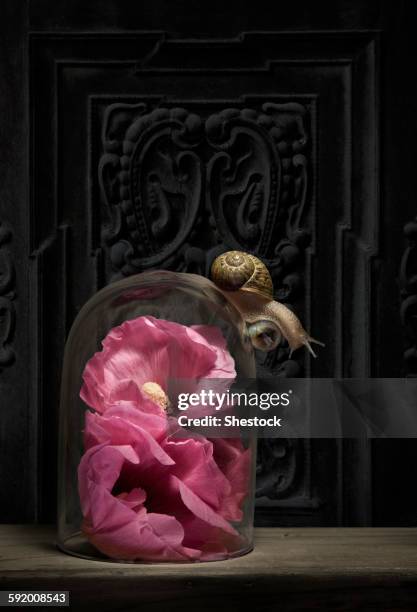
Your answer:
<point x="129" y="489"/>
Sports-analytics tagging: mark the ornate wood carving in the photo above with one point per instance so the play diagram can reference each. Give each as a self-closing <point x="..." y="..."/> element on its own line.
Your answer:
<point x="242" y="171"/>
<point x="7" y="295"/>
<point x="278" y="469"/>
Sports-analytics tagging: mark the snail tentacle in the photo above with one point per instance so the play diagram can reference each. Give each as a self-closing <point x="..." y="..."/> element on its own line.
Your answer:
<point x="307" y="343"/>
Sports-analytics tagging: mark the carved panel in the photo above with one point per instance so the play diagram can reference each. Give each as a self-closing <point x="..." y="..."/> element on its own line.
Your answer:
<point x="242" y="171"/>
<point x="7" y="294"/>
<point x="204" y="145"/>
<point x="408" y="285"/>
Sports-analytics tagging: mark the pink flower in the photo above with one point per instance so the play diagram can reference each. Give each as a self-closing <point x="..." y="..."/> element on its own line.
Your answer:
<point x="148" y="349"/>
<point x="144" y="494"/>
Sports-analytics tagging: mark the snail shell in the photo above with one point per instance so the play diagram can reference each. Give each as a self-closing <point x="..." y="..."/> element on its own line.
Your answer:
<point x="235" y="271"/>
<point x="246" y="282"/>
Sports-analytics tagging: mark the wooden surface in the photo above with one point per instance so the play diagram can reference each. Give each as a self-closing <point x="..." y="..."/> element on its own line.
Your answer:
<point x="290" y="569"/>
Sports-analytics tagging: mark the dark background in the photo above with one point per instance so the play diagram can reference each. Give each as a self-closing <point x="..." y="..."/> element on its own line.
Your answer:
<point x="296" y="141"/>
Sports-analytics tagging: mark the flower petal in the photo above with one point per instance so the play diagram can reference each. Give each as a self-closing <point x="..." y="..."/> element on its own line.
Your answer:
<point x="101" y="466"/>
<point x="147" y="349"/>
<point x="115" y="431"/>
<point x="209" y="335"/>
<point x="120" y="526"/>
<point x="133" y="351"/>
<point x="235" y="462"/>
<point x="195" y="467"/>
<point x="200" y="509"/>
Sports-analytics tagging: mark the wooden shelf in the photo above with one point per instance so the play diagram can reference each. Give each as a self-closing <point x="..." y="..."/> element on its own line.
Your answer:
<point x="290" y="569"/>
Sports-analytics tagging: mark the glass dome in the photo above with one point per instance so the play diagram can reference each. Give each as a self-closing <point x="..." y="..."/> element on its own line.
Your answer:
<point x="128" y="489"/>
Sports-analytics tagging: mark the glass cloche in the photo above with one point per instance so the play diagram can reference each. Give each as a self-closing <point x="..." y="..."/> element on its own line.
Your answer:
<point x="129" y="490"/>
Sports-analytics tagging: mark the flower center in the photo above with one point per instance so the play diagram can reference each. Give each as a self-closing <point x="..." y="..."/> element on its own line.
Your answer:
<point x="156" y="393"/>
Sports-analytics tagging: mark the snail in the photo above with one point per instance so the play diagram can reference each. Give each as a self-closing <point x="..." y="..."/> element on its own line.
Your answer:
<point x="247" y="283"/>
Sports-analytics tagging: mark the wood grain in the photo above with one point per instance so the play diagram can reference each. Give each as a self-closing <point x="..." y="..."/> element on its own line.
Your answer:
<point x="290" y="569"/>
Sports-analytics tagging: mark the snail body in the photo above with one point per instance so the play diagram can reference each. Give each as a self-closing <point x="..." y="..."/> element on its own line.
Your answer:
<point x="246" y="282"/>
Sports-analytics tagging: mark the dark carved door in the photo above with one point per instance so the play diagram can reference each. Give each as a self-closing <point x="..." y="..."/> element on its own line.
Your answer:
<point x="157" y="135"/>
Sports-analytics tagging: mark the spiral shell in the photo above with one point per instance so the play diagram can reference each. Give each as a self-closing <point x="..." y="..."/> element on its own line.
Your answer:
<point x="238" y="271"/>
